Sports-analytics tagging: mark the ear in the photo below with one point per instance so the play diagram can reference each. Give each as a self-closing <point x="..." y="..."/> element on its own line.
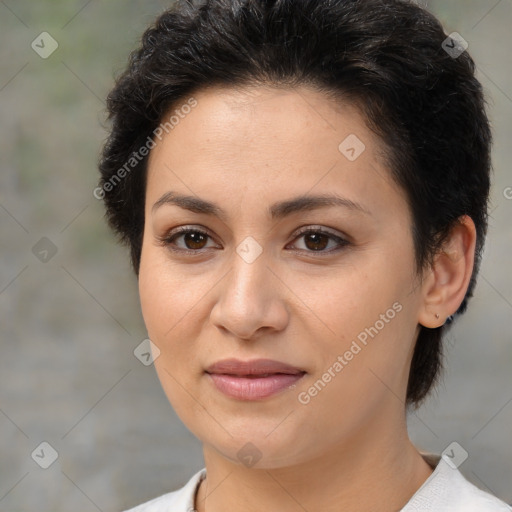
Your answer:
<point x="446" y="283"/>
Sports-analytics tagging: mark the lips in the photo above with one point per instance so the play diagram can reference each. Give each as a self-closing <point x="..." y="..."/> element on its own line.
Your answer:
<point x="256" y="367"/>
<point x="253" y="380"/>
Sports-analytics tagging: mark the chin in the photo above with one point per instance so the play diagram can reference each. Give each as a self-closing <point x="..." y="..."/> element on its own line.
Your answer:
<point x="262" y="447"/>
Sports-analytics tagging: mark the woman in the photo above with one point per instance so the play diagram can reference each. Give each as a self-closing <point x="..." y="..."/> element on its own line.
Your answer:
<point x="303" y="187"/>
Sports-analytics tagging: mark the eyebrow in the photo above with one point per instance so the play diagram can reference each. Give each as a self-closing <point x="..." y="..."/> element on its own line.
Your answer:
<point x="278" y="210"/>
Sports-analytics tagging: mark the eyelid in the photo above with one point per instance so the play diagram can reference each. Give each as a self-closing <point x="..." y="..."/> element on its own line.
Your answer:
<point x="322" y="229"/>
<point x="169" y="235"/>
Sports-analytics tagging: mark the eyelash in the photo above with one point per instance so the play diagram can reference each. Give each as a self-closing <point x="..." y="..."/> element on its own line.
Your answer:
<point x="169" y="238"/>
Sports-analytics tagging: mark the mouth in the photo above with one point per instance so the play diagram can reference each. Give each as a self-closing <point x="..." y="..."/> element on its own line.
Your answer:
<point x="253" y="380"/>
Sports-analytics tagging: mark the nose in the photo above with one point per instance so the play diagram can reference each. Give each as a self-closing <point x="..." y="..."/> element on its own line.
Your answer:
<point x="251" y="300"/>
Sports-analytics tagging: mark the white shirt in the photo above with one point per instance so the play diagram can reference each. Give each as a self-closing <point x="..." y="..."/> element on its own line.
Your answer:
<point x="445" y="490"/>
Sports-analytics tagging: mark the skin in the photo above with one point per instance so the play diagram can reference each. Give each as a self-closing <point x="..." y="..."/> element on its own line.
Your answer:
<point x="348" y="448"/>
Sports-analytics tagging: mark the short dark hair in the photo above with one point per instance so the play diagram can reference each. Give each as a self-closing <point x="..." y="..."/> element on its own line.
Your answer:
<point x="389" y="57"/>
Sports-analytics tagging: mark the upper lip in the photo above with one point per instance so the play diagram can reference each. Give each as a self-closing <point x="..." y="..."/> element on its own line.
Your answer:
<point x="252" y="367"/>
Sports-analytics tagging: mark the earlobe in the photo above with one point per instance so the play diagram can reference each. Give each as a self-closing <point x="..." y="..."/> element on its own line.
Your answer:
<point x="446" y="285"/>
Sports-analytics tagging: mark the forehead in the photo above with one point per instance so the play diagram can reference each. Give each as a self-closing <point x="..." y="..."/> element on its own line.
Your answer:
<point x="237" y="117"/>
<point x="264" y="141"/>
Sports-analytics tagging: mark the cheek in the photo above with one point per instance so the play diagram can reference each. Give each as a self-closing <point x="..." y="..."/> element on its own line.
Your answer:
<point x="164" y="298"/>
<point x="352" y="298"/>
<point x="163" y="291"/>
<point x="167" y="304"/>
<point x="368" y="314"/>
<point x="174" y="305"/>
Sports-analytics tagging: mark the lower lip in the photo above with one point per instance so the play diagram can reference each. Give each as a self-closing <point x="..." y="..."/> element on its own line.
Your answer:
<point x="253" y="388"/>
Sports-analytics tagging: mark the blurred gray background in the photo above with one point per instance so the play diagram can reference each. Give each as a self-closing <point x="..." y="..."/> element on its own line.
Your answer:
<point x="69" y="310"/>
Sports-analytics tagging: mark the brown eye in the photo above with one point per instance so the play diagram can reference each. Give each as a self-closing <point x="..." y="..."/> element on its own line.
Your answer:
<point x="192" y="240"/>
<point x="318" y="240"/>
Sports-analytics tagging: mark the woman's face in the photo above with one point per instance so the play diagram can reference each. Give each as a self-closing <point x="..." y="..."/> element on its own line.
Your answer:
<point x="338" y="305"/>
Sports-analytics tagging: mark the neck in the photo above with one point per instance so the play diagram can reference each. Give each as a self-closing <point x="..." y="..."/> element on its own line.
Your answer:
<point x="378" y="469"/>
